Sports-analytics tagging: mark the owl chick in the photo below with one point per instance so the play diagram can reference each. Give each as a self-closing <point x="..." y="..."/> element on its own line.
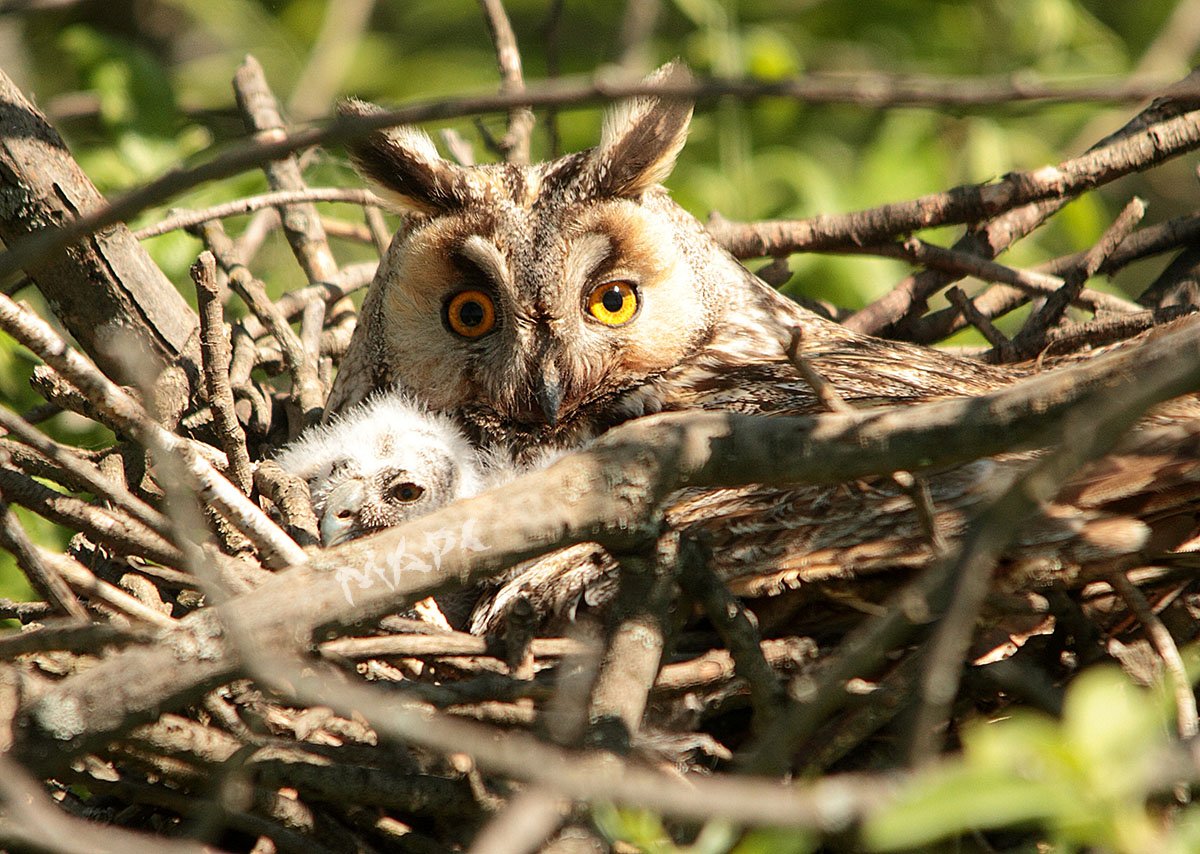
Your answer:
<point x="384" y="462"/>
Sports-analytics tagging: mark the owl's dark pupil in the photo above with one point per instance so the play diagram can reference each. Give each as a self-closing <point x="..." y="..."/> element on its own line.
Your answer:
<point x="613" y="299"/>
<point x="470" y="313"/>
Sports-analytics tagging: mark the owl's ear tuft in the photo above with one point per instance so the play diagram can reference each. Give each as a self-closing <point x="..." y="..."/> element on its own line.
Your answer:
<point x="641" y="138"/>
<point x="404" y="166"/>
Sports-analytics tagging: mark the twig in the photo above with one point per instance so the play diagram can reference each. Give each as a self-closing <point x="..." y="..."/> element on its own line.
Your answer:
<point x="515" y="144"/>
<point x="440" y="643"/>
<point x="733" y="624"/>
<point x="826" y="394"/>
<point x="981" y="547"/>
<point x="301" y="223"/>
<point x="1178" y="284"/>
<point x="351" y="278"/>
<point x="241" y="363"/>
<point x="1029" y="341"/>
<point x="828" y="804"/>
<point x="1105" y="330"/>
<point x="1187" y="719"/>
<point x="306" y="387"/>
<point x="671" y="451"/>
<point x="637" y="31"/>
<point x="69" y="640"/>
<point x="185" y="219"/>
<point x="275" y="546"/>
<point x="523" y="826"/>
<point x="337" y="41"/>
<point x="966" y="264"/>
<point x="461" y="151"/>
<point x="520" y="626"/>
<point x="340" y="228"/>
<point x="967" y="203"/>
<point x="256" y="232"/>
<point x="215" y="350"/>
<point x="718" y="666"/>
<point x="1000" y="300"/>
<point x="109" y="526"/>
<point x="636" y="640"/>
<point x="980" y="321"/>
<point x="551" y="40"/>
<point x="890" y="696"/>
<point x="105" y="283"/>
<point x="963" y="580"/>
<point x="312" y="319"/>
<point x="917" y="490"/>
<point x="84" y="474"/>
<point x="290" y="494"/>
<point x="32" y="819"/>
<point x="84" y="580"/>
<point x="993" y="237"/>
<point x="48" y="583"/>
<point x="24" y="612"/>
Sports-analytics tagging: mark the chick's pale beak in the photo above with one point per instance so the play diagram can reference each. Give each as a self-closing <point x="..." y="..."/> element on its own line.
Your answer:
<point x="342" y="508"/>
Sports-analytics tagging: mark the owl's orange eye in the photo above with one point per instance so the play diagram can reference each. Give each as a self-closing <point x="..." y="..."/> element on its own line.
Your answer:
<point x="470" y="314"/>
<point x="613" y="303"/>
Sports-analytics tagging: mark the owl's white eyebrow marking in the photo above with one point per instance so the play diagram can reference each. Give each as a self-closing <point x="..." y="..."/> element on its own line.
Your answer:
<point x="585" y="256"/>
<point x="487" y="257"/>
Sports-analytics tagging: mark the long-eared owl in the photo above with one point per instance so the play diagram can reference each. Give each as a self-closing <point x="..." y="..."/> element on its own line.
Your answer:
<point x="541" y="305"/>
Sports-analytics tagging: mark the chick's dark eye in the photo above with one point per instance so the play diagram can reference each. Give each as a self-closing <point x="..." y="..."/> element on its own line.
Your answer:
<point x="406" y="492"/>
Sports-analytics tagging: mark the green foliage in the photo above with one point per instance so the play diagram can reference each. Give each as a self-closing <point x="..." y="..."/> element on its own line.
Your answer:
<point x="1085" y="782"/>
<point x="1085" y="779"/>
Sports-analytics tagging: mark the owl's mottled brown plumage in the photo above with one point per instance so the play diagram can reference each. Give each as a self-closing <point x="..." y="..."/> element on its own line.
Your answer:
<point x="533" y="364"/>
<point x="536" y="239"/>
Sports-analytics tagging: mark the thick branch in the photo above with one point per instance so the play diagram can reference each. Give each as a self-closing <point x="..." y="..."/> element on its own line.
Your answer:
<point x="99" y="287"/>
<point x="969" y="203"/>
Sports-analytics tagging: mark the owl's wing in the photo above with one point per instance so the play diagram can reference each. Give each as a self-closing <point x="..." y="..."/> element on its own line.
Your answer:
<point x="809" y="541"/>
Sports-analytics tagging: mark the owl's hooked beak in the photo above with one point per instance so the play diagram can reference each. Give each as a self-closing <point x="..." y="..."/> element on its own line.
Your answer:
<point x="342" y="508"/>
<point x="549" y="394"/>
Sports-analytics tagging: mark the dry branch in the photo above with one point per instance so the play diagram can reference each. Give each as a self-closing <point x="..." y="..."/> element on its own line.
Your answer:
<point x="515" y="144"/>
<point x="966" y="204"/>
<point x="129" y="416"/>
<point x="105" y="289"/>
<point x="215" y="350"/>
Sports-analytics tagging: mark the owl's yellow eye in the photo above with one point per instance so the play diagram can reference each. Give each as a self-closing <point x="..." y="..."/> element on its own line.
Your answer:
<point x="470" y="314"/>
<point x="613" y="303"/>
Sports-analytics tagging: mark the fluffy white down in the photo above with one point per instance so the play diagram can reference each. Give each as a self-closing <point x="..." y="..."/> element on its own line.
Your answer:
<point x="390" y="429"/>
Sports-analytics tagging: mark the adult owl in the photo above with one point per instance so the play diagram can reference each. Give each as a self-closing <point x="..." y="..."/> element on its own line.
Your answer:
<point x="541" y="305"/>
